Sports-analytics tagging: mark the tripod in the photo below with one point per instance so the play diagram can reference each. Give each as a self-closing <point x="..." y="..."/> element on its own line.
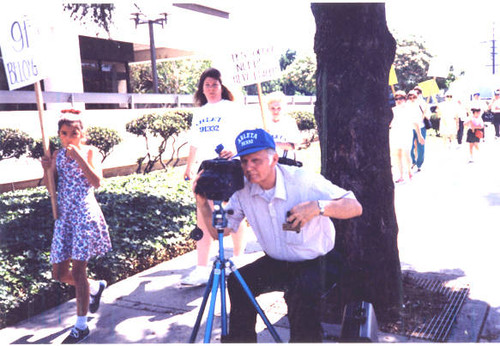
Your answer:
<point x="218" y="280"/>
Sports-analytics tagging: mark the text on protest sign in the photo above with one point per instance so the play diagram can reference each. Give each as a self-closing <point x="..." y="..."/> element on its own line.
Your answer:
<point x="255" y="65"/>
<point x="18" y="41"/>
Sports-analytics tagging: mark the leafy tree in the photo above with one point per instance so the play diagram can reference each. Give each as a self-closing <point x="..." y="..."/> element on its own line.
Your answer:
<point x="164" y="126"/>
<point x="353" y="114"/>
<point x="103" y="139"/>
<point x="300" y="77"/>
<point x="99" y="14"/>
<point x="287" y="58"/>
<point x="14" y="143"/>
<point x="174" y="77"/>
<point x="411" y="63"/>
<point x="36" y="149"/>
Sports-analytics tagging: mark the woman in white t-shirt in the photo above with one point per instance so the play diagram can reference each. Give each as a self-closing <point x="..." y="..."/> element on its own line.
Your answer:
<point x="217" y="121"/>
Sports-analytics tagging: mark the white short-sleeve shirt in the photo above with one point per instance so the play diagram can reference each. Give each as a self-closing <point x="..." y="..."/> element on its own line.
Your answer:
<point x="266" y="214"/>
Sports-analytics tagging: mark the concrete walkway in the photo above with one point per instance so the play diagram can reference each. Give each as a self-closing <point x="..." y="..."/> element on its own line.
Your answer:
<point x="448" y="221"/>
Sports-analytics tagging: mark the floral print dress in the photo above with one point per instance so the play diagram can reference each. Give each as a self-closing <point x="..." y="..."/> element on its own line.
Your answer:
<point x="81" y="231"/>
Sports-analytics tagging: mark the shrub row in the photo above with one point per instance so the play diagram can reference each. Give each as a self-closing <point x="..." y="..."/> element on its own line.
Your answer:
<point x="166" y="126"/>
<point x="149" y="217"/>
<point x="15" y="143"/>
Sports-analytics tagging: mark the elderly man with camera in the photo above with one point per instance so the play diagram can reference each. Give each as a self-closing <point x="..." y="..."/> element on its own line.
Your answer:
<point x="289" y="209"/>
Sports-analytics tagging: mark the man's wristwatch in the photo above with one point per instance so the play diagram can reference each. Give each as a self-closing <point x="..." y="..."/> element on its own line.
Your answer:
<point x="321" y="206"/>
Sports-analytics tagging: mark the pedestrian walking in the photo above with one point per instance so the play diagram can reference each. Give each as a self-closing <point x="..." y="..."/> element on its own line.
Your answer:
<point x="475" y="132"/>
<point x="404" y="122"/>
<point x="418" y="149"/>
<point x="80" y="232"/>
<point x="450" y="114"/>
<point x="494" y="107"/>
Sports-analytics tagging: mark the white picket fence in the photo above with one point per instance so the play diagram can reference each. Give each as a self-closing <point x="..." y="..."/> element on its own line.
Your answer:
<point x="130" y="101"/>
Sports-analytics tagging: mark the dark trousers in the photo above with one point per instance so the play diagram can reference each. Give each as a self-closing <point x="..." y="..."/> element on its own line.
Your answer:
<point x="496" y="124"/>
<point x="302" y="282"/>
<point x="460" y="132"/>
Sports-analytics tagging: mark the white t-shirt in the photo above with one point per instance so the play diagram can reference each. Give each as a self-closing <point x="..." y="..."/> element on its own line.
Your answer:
<point x="284" y="131"/>
<point x="214" y="124"/>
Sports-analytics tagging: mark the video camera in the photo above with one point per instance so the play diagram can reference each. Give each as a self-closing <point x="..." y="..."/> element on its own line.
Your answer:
<point x="220" y="178"/>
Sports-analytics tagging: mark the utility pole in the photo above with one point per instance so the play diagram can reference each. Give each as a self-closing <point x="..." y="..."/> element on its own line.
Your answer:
<point x="161" y="21"/>
<point x="493" y="51"/>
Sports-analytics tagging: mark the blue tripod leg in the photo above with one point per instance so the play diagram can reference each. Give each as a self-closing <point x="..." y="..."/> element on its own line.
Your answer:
<point x="223" y="285"/>
<point x="244" y="285"/>
<point x="196" y="327"/>
<point x="211" y="310"/>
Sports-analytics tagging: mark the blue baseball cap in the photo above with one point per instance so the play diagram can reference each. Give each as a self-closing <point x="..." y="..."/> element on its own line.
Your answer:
<point x="251" y="141"/>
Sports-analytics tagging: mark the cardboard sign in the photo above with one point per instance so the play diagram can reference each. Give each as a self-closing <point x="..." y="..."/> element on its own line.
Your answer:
<point x="438" y="68"/>
<point x="19" y="39"/>
<point x="429" y="88"/>
<point x="393" y="79"/>
<point x="252" y="66"/>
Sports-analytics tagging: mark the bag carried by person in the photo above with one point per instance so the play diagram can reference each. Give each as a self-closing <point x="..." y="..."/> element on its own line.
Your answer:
<point x="478" y="133"/>
<point x="427" y="123"/>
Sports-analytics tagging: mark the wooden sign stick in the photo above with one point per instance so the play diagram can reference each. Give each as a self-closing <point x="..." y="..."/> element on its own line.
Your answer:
<point x="259" y="92"/>
<point x="51" y="186"/>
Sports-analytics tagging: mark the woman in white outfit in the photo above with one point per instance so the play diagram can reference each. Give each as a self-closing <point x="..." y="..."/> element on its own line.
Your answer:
<point x="405" y="120"/>
<point x="217" y="121"/>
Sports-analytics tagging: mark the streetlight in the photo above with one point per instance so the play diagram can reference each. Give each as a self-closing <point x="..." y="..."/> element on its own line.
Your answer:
<point x="161" y="21"/>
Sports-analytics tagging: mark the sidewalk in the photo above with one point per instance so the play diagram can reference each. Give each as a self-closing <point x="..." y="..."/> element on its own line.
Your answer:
<point x="448" y="221"/>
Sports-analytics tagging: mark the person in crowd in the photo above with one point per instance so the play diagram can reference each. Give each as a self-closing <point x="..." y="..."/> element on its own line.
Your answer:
<point x="275" y="196"/>
<point x="476" y="102"/>
<point x="217" y="121"/>
<point x="281" y="126"/>
<point x="450" y="112"/>
<point x="403" y="123"/>
<point x="494" y="107"/>
<point x="475" y="132"/>
<point x="418" y="148"/>
<point x="80" y="231"/>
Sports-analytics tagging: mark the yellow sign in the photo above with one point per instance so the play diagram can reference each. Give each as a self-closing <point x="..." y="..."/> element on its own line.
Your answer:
<point x="393" y="79"/>
<point x="429" y="88"/>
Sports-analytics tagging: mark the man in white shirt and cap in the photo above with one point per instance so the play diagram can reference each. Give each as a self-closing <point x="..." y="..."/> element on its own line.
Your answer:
<point x="299" y="262"/>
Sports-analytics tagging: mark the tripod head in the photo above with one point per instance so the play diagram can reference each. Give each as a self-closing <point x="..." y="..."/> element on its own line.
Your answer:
<point x="219" y="220"/>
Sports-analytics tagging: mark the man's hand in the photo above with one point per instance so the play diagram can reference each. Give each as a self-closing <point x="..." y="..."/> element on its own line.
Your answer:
<point x="302" y="213"/>
<point x="226" y="154"/>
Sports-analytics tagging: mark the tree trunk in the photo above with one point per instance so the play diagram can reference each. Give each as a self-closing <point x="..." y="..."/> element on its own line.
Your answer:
<point x="354" y="53"/>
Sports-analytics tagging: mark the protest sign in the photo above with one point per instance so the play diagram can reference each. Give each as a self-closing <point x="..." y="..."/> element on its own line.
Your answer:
<point x="19" y="42"/>
<point x="438" y="68"/>
<point x="393" y="78"/>
<point x="429" y="88"/>
<point x="253" y="66"/>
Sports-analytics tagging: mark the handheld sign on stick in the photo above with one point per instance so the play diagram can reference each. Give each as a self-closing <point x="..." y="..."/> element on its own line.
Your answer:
<point x="253" y="66"/>
<point x="19" y="36"/>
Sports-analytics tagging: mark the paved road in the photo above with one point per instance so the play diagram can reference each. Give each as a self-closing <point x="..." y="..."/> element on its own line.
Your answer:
<point x="449" y="216"/>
